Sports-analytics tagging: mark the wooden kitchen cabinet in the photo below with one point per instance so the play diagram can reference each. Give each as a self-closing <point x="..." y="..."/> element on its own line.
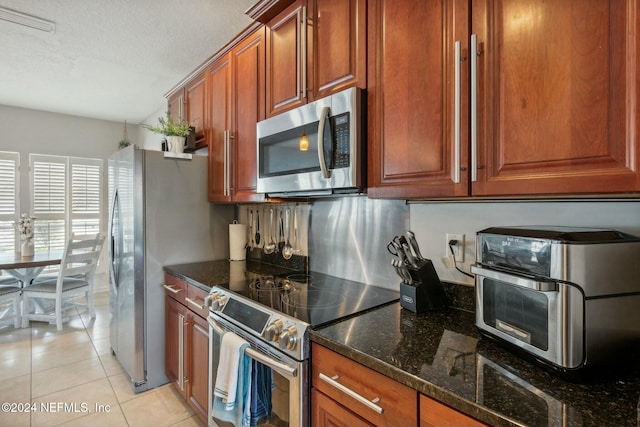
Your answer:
<point x="236" y="103"/>
<point x="187" y="344"/>
<point x="195" y="96"/>
<point x="332" y="406"/>
<point x="188" y="103"/>
<point x="314" y="48"/>
<point x="435" y="414"/>
<point x="551" y="108"/>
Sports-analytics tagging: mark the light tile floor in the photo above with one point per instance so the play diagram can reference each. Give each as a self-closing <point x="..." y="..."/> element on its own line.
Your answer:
<point x="70" y="378"/>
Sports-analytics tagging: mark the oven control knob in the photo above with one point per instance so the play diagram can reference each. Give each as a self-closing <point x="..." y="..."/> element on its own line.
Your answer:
<point x="273" y="330"/>
<point x="219" y="302"/>
<point x="208" y="300"/>
<point x="288" y="338"/>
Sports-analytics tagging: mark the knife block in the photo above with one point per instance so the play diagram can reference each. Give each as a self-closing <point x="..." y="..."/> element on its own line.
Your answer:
<point x="426" y="292"/>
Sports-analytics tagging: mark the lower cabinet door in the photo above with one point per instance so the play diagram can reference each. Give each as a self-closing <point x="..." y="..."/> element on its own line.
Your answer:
<point x="435" y="414"/>
<point x="198" y="364"/>
<point x="327" y="412"/>
<point x="176" y="319"/>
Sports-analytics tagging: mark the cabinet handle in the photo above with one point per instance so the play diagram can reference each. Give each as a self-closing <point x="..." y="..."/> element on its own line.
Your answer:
<point x="456" y="115"/>
<point x="473" y="54"/>
<point x="371" y="404"/>
<point x="195" y="304"/>
<point x="303" y="51"/>
<point x="225" y="191"/>
<point x="181" y="324"/>
<point x="171" y="289"/>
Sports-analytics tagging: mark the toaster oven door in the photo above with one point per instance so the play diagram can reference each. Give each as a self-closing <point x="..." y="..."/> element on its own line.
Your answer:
<point x="543" y="318"/>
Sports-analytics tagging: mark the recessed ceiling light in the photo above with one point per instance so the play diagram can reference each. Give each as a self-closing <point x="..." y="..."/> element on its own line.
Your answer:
<point x="27" y="20"/>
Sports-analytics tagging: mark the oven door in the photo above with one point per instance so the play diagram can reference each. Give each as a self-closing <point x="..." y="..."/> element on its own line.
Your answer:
<point x="545" y="318"/>
<point x="289" y="388"/>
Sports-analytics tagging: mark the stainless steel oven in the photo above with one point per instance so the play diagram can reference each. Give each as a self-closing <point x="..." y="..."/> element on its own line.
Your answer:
<point x="567" y="296"/>
<point x="274" y="315"/>
<point x="290" y="377"/>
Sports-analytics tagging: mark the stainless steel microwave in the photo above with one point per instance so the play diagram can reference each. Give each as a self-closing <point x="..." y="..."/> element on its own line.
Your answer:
<point x="316" y="149"/>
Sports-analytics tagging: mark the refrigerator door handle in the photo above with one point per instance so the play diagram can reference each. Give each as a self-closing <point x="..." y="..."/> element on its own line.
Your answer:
<point x="114" y="254"/>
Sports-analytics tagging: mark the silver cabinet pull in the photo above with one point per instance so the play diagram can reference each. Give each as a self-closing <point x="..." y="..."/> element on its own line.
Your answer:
<point x="456" y="115"/>
<point x="171" y="289"/>
<point x="473" y="56"/>
<point x="371" y="404"/>
<point x="181" y="325"/>
<point x="303" y="51"/>
<point x="195" y="304"/>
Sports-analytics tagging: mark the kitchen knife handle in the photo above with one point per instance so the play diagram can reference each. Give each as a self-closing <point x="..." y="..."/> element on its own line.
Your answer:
<point x="414" y="245"/>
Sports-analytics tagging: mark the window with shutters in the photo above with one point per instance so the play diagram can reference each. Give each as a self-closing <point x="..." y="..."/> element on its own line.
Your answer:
<point x="66" y="198"/>
<point x="9" y="202"/>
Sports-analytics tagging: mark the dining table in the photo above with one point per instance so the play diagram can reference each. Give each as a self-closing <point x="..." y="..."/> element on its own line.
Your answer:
<point x="25" y="269"/>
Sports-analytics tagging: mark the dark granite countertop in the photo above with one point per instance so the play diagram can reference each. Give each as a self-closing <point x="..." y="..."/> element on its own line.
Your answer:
<point x="206" y="274"/>
<point x="442" y="355"/>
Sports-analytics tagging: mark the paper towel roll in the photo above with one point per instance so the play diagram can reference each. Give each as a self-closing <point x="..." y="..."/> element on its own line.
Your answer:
<point x="237" y="241"/>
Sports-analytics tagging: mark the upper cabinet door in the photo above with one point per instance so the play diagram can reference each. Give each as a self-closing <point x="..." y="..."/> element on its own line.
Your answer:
<point x="195" y="105"/>
<point x="315" y="48"/>
<point x="557" y="96"/>
<point x="286" y="48"/>
<point x="248" y="109"/>
<point x="219" y="93"/>
<point x="337" y="55"/>
<point x="417" y="96"/>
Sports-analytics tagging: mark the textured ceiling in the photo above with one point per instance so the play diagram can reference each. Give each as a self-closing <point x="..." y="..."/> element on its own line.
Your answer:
<point x="110" y="59"/>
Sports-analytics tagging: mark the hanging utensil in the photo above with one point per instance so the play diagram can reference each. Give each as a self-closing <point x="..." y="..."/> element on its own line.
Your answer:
<point x="250" y="219"/>
<point x="257" y="236"/>
<point x="270" y="247"/>
<point x="287" y="249"/>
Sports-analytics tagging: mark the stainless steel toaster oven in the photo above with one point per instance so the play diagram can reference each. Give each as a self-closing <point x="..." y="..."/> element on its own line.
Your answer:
<point x="569" y="297"/>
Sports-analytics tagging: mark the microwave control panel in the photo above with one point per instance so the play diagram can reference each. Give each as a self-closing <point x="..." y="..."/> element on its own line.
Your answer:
<point x="341" y="153"/>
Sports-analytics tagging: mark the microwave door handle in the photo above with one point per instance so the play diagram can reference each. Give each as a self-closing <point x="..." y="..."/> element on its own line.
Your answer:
<point x="324" y="115"/>
<point x="523" y="282"/>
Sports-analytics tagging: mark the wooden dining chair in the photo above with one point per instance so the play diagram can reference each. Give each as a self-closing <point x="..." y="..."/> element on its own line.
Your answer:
<point x="75" y="277"/>
<point x="10" y="304"/>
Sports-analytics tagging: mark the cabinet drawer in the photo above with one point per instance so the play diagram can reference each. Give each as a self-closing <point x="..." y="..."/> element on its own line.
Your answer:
<point x="195" y="301"/>
<point x="175" y="288"/>
<point x="397" y="402"/>
<point x="435" y="414"/>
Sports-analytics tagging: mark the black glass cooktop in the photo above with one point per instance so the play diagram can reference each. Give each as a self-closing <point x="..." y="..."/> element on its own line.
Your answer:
<point x="314" y="298"/>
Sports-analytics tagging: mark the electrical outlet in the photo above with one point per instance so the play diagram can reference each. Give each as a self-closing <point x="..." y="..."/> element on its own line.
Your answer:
<point x="458" y="248"/>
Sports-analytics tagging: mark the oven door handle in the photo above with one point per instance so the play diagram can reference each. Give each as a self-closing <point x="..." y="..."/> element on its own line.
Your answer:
<point x="523" y="282"/>
<point x="259" y="357"/>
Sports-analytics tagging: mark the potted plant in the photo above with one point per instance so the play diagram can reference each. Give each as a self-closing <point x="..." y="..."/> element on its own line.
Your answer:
<point x="175" y="130"/>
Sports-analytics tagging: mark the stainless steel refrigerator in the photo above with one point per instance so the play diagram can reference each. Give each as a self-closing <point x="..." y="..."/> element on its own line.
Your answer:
<point x="158" y="215"/>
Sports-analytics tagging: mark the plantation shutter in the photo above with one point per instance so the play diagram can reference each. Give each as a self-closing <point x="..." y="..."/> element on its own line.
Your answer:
<point x="86" y="195"/>
<point x="9" y="206"/>
<point x="48" y="189"/>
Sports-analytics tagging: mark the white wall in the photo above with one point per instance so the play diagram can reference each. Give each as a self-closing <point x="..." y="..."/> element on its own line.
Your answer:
<point x="431" y="221"/>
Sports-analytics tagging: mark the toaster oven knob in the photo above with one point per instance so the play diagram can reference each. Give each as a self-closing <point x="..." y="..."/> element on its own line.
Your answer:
<point x="288" y="339"/>
<point x="273" y="330"/>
